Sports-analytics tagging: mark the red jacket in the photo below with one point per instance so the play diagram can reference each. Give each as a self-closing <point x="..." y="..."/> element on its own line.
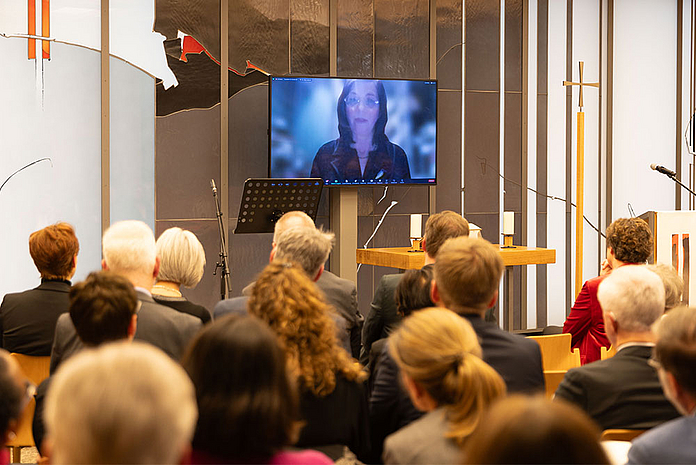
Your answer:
<point x="586" y="324"/>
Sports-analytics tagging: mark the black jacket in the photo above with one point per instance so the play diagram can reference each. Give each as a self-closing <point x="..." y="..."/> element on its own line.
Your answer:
<point x="338" y="161"/>
<point x="28" y="319"/>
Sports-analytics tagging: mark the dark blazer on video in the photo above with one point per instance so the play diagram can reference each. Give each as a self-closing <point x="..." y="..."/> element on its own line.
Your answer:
<point x="28" y="319"/>
<point x="620" y="392"/>
<point x="161" y="326"/>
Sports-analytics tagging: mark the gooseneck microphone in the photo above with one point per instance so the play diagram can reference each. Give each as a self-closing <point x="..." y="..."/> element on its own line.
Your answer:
<point x="663" y="170"/>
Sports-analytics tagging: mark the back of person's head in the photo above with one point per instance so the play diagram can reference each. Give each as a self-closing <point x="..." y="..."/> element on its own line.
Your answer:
<point x="129" y="246"/>
<point x="634" y="296"/>
<point x="289" y="220"/>
<point x="439" y="351"/>
<point x="295" y="309"/>
<point x="631" y="240"/>
<point x="524" y="430"/>
<point x="442" y="226"/>
<point x="102" y="307"/>
<point x="182" y="258"/>
<point x="308" y="247"/>
<point x="53" y="249"/>
<point x="675" y="349"/>
<point x="674" y="286"/>
<point x="413" y="291"/>
<point x="120" y="403"/>
<point x="11" y="396"/>
<point x="467" y="273"/>
<point x="249" y="409"/>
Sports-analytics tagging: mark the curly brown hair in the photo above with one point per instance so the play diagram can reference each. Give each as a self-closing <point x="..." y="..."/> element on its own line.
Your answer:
<point x="292" y="305"/>
<point x="631" y="240"/>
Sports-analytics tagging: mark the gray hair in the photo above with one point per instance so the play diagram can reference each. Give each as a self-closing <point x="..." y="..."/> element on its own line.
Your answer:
<point x="120" y="403"/>
<point x="635" y="295"/>
<point x="308" y="247"/>
<point x="289" y="220"/>
<point x="674" y="286"/>
<point x="182" y="257"/>
<point x="129" y="246"/>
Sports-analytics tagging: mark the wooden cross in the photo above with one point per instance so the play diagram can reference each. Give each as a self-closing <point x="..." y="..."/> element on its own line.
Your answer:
<point x="581" y="84"/>
<point x="580" y="186"/>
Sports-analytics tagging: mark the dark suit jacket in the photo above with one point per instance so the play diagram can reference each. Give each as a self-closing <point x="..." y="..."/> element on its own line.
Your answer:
<point x="620" y="392"/>
<point x="515" y="358"/>
<point x="161" y="326"/>
<point x="340" y="293"/>
<point x="28" y="319"/>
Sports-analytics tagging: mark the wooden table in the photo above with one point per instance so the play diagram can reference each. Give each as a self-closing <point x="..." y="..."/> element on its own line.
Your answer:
<point x="400" y="257"/>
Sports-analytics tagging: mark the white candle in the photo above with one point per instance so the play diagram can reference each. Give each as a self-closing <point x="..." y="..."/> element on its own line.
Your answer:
<point x="416" y="222"/>
<point x="508" y="223"/>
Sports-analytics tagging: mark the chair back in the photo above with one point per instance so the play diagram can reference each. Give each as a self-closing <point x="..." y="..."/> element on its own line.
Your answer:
<point x="556" y="353"/>
<point x="553" y="378"/>
<point x="607" y="353"/>
<point x="621" y="434"/>
<point x="36" y="370"/>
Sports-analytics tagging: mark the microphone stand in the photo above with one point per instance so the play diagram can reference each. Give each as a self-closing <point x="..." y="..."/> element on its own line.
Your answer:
<point x="225" y="288"/>
<point x="674" y="178"/>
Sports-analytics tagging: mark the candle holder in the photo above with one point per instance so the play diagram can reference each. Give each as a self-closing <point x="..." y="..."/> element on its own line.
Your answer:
<point x="507" y="241"/>
<point x="416" y="244"/>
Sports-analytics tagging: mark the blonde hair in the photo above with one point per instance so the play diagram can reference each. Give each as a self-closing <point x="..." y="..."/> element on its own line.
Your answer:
<point x="467" y="273"/>
<point x="182" y="258"/>
<point x="294" y="308"/>
<point x="120" y="403"/>
<point x="439" y="350"/>
<point x="674" y="286"/>
<point x="442" y="226"/>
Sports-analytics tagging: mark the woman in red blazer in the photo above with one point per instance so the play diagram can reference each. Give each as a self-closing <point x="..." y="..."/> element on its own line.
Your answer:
<point x="629" y="242"/>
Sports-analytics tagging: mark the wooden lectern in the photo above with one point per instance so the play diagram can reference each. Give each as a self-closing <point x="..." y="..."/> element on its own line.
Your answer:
<point x="672" y="233"/>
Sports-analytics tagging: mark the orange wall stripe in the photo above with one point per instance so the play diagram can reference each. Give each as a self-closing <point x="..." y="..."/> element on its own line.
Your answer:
<point x="45" y="27"/>
<point x="32" y="28"/>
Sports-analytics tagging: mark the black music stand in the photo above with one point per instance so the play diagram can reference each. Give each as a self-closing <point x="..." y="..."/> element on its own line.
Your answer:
<point x="265" y="200"/>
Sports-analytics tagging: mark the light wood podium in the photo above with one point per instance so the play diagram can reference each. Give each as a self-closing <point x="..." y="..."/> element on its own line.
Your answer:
<point x="402" y="258"/>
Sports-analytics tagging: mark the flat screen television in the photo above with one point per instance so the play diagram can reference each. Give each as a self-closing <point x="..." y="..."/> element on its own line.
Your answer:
<point x="353" y="131"/>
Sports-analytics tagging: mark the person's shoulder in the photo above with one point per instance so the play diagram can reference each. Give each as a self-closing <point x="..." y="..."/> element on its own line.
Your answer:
<point x="390" y="280"/>
<point x="593" y="283"/>
<point x="167" y="313"/>
<point x="228" y="306"/>
<point x="655" y="445"/>
<point x="328" y="148"/>
<point x="329" y="278"/>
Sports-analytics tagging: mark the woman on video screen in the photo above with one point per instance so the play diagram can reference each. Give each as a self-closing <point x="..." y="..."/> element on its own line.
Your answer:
<point x="362" y="150"/>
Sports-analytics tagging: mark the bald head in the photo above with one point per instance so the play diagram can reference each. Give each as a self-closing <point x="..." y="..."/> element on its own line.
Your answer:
<point x="293" y="219"/>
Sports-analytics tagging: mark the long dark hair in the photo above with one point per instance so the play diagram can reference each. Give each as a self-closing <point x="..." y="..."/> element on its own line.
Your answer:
<point x="346" y="135"/>
<point x="248" y="408"/>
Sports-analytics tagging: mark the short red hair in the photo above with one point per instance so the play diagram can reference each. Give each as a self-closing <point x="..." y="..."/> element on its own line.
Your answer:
<point x="52" y="249"/>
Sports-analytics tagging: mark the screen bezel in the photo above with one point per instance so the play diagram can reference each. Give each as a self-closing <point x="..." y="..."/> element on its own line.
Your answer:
<point x="375" y="184"/>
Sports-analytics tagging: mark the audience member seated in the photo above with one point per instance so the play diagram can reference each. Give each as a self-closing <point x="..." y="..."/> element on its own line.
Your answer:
<point x="674" y="286"/>
<point x="333" y="397"/>
<point x="182" y="260"/>
<point x="526" y="430"/>
<point x="120" y="403"/>
<point x="340" y="293"/>
<point x="674" y="360"/>
<point x="624" y="390"/>
<point x="103" y="308"/>
<point x="467" y="275"/>
<point x="390" y="405"/>
<point x="28" y="319"/>
<point x="383" y="317"/>
<point x="440" y="362"/>
<point x="128" y="248"/>
<point x="629" y="241"/>
<point x="15" y="394"/>
<point x="309" y="248"/>
<point x="248" y="407"/>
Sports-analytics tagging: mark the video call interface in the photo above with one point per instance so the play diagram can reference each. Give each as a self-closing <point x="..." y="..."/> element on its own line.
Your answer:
<point x="353" y="131"/>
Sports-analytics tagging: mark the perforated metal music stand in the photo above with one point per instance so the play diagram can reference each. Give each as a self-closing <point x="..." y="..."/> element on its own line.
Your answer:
<point x="265" y="200"/>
